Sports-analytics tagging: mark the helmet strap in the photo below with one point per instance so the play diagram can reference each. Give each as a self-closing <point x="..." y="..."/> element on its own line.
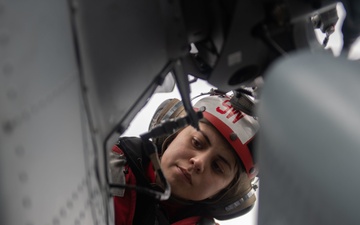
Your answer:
<point x="240" y="201"/>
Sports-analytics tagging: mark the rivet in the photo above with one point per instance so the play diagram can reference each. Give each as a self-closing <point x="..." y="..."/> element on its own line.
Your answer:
<point x="233" y="136"/>
<point x="69" y="204"/>
<point x="8" y="126"/>
<point x="74" y="195"/>
<point x="62" y="212"/>
<point x="23" y="177"/>
<point x="56" y="221"/>
<point x="26" y="202"/>
<point x="82" y="215"/>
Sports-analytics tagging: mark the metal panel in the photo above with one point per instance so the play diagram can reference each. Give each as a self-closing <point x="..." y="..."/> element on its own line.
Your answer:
<point x="309" y="147"/>
<point x="46" y="174"/>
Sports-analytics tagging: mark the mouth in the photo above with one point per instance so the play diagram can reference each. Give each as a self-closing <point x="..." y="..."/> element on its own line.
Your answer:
<point x="187" y="175"/>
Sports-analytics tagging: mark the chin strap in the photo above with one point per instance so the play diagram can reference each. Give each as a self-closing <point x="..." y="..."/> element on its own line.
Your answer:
<point x="254" y="187"/>
<point x="240" y="201"/>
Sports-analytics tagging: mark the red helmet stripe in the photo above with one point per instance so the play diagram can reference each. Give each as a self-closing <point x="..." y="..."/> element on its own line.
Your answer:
<point x="241" y="149"/>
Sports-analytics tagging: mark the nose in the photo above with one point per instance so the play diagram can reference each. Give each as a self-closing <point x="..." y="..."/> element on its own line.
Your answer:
<point x="198" y="162"/>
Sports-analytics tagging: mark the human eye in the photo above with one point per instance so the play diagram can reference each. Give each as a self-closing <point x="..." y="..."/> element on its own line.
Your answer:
<point x="196" y="143"/>
<point x="217" y="167"/>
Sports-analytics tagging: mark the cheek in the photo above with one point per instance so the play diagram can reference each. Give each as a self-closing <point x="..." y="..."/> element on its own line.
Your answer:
<point x="216" y="183"/>
<point x="164" y="160"/>
<point x="175" y="151"/>
<point x="170" y="156"/>
<point x="213" y="184"/>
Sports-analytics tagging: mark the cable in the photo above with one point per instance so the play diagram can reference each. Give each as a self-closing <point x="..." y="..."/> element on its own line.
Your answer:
<point x="167" y="127"/>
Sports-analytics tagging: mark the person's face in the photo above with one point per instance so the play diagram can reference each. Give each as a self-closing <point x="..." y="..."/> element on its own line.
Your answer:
<point x="198" y="164"/>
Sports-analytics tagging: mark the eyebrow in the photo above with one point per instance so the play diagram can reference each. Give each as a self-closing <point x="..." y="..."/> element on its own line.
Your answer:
<point x="206" y="137"/>
<point x="220" y="157"/>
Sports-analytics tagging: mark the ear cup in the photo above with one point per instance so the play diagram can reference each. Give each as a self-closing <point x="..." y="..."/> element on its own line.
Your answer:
<point x="221" y="211"/>
<point x="168" y="109"/>
<point x="236" y="201"/>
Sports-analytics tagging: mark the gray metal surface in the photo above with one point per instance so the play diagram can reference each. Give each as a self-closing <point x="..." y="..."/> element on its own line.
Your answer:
<point x="310" y="142"/>
<point x="310" y="117"/>
<point x="46" y="161"/>
<point x="123" y="52"/>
